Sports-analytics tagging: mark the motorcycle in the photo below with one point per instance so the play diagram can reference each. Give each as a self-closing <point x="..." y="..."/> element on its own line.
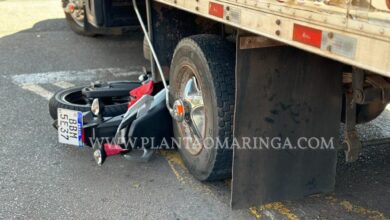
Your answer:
<point x="113" y="118"/>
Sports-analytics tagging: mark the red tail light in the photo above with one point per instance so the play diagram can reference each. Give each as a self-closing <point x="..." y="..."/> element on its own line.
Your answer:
<point x="388" y="4"/>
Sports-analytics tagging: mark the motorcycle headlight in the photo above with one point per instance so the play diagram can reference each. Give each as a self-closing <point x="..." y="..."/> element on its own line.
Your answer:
<point x="95" y="107"/>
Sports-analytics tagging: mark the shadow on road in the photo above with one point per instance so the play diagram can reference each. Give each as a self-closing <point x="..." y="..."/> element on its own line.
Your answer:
<point x="51" y="46"/>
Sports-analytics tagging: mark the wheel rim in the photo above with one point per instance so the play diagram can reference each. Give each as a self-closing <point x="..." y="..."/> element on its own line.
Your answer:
<point x="78" y="13"/>
<point x="194" y="123"/>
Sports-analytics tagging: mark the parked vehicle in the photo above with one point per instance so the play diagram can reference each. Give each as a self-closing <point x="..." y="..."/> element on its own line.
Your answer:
<point x="266" y="70"/>
<point x="91" y="18"/>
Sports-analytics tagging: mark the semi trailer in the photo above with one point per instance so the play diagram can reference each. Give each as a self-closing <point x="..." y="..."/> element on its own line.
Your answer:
<point x="280" y="73"/>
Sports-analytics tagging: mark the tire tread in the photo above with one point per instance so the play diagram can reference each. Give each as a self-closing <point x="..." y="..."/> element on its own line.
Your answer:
<point x="220" y="56"/>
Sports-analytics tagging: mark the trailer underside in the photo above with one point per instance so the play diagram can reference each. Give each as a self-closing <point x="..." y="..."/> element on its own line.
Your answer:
<point x="281" y="92"/>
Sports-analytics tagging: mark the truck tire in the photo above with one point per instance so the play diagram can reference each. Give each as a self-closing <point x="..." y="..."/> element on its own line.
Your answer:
<point x="72" y="99"/>
<point x="78" y="25"/>
<point x="206" y="63"/>
<point x="369" y="112"/>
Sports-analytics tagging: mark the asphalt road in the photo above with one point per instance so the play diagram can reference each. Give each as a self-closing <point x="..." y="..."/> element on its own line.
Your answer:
<point x="41" y="179"/>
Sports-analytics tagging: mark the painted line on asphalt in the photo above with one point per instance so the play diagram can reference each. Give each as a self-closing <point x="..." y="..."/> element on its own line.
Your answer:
<point x="279" y="207"/>
<point x="182" y="174"/>
<point x="64" y="84"/>
<point x="353" y="208"/>
<point x="174" y="159"/>
<point x="82" y="75"/>
<point x="38" y="90"/>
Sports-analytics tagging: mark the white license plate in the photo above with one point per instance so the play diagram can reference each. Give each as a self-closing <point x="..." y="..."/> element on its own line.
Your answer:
<point x="70" y="124"/>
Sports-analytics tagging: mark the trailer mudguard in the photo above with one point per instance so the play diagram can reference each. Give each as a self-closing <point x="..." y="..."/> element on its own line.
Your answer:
<point x="284" y="93"/>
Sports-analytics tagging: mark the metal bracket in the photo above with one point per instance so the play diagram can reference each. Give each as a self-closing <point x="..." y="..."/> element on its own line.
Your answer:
<point x="351" y="142"/>
<point x="252" y="42"/>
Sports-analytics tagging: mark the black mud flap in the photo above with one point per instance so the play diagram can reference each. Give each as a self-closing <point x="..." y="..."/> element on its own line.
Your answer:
<point x="284" y="94"/>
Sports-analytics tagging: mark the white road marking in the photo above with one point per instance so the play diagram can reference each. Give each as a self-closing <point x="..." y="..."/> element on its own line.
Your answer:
<point x="64" y="84"/>
<point x="38" y="90"/>
<point x="83" y="75"/>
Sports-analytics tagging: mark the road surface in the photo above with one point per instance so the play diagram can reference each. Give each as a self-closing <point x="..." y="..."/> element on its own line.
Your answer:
<point x="41" y="179"/>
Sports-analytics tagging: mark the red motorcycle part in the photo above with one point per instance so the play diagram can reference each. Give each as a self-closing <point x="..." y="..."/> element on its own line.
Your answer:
<point x="113" y="149"/>
<point x="136" y="94"/>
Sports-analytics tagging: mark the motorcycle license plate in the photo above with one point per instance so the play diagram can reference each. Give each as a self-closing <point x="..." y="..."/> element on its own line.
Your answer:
<point x="70" y="124"/>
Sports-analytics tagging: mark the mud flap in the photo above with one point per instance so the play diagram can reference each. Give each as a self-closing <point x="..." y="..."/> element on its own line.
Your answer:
<point x="284" y="93"/>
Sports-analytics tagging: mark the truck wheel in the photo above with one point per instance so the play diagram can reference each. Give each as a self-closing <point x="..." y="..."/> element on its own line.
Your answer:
<point x="202" y="78"/>
<point x="75" y="18"/>
<point x="73" y="99"/>
<point x="369" y="112"/>
<point x="365" y="113"/>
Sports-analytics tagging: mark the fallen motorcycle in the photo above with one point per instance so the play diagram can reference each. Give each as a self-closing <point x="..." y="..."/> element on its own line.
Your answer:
<point x="113" y="118"/>
<point x="95" y="115"/>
